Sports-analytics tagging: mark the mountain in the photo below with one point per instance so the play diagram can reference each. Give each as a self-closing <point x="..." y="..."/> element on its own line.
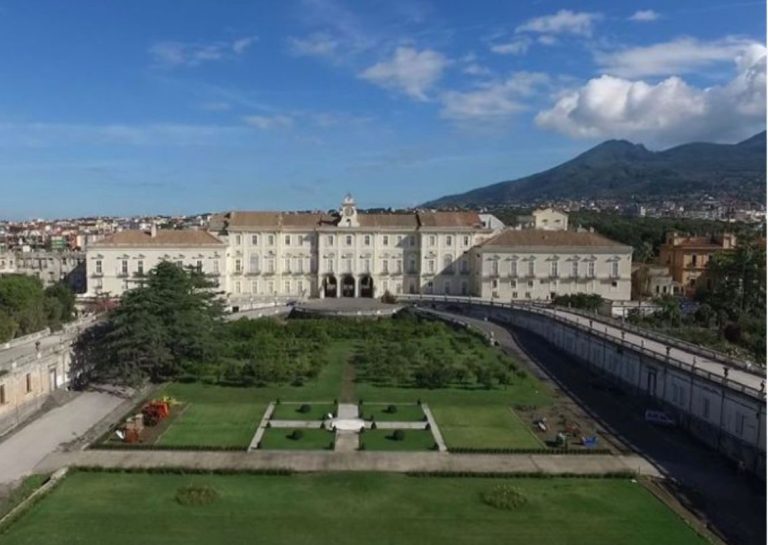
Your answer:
<point x="617" y="169"/>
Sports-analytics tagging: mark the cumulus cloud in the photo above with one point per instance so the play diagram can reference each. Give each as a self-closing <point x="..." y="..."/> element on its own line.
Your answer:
<point x="670" y="111"/>
<point x="675" y="57"/>
<point x="644" y="16"/>
<point x="515" y="47"/>
<point x="172" y="54"/>
<point x="266" y="122"/>
<point x="315" y="45"/>
<point x="410" y="71"/>
<point x="491" y="101"/>
<point x="579" y="23"/>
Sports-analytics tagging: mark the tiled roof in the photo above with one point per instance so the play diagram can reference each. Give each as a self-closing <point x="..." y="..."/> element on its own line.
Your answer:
<point x="238" y="221"/>
<point x="388" y="220"/>
<point x="540" y="237"/>
<point x="166" y="237"/>
<point x="450" y="219"/>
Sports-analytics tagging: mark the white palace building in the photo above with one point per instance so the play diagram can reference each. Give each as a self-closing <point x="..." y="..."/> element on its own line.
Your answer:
<point x="264" y="256"/>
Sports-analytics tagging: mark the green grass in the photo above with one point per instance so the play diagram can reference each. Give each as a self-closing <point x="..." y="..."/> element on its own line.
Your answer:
<point x="415" y="440"/>
<point x="487" y="426"/>
<point x="290" y="411"/>
<point x="228" y="416"/>
<point x="468" y="416"/>
<point x="350" y="508"/>
<point x="476" y="418"/>
<point x="406" y="412"/>
<point x="25" y="489"/>
<point x="312" y="439"/>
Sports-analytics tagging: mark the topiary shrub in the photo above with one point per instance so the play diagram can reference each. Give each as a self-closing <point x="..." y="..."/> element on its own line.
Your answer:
<point x="305" y="408"/>
<point x="398" y="435"/>
<point x="428" y="427"/>
<point x="373" y="424"/>
<point x="391" y="409"/>
<point x="504" y="496"/>
<point x="296" y="435"/>
<point x="196" y="495"/>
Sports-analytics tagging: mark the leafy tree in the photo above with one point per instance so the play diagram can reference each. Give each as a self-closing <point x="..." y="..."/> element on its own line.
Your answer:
<point x="168" y="323"/>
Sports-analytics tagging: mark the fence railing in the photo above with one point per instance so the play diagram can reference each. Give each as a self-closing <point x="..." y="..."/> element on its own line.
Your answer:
<point x="551" y="314"/>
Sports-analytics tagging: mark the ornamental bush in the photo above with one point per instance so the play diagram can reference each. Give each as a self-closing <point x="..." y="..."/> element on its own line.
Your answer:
<point x="398" y="435"/>
<point x="504" y="496"/>
<point x="196" y="495"/>
<point x="296" y="435"/>
<point x="305" y="408"/>
<point x="391" y="409"/>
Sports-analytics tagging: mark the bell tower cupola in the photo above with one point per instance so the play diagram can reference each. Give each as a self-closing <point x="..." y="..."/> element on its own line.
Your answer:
<point x="348" y="212"/>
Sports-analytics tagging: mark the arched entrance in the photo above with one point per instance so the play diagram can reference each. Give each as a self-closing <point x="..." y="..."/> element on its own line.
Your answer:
<point x="347" y="285"/>
<point x="330" y="286"/>
<point x="366" y="286"/>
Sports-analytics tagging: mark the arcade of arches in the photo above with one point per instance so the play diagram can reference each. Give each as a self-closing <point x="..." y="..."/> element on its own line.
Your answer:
<point x="348" y="286"/>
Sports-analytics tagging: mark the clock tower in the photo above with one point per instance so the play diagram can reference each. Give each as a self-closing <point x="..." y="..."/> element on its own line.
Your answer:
<point x="348" y="212"/>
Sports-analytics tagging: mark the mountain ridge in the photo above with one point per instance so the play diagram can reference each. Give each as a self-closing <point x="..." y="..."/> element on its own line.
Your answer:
<point x="620" y="169"/>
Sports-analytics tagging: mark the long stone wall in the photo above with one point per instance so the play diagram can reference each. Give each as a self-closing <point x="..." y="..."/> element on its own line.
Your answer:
<point x="730" y="419"/>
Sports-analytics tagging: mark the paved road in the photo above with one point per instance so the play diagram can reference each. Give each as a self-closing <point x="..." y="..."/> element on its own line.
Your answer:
<point x="23" y="450"/>
<point x="739" y="376"/>
<point x="351" y="461"/>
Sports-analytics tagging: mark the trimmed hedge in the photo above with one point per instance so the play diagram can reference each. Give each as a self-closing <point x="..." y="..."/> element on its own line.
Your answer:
<point x="145" y="446"/>
<point x="523" y="475"/>
<point x="181" y="470"/>
<point x="543" y="450"/>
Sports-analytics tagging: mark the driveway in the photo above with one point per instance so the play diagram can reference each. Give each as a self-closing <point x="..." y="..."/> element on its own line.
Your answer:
<point x="21" y="451"/>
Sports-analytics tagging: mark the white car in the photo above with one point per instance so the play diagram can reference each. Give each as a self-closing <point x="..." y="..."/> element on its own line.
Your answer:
<point x="659" y="417"/>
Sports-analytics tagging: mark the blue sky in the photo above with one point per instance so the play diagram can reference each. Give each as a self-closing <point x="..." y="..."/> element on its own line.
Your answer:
<point x="177" y="107"/>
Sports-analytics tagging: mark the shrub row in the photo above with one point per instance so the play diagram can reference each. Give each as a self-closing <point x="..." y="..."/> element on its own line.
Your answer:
<point x="542" y="450"/>
<point x="145" y="446"/>
<point x="180" y="470"/>
<point x="523" y="475"/>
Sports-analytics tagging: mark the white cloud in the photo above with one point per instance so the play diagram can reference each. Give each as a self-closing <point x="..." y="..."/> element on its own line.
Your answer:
<point x="563" y="22"/>
<point x="670" y="111"/>
<point x="644" y="16"/>
<point x="680" y="56"/>
<point x="314" y="45"/>
<point x="239" y="46"/>
<point x="491" y="101"/>
<point x="475" y="69"/>
<point x="545" y="39"/>
<point x="171" y="53"/>
<point x="410" y="71"/>
<point x="266" y="122"/>
<point x="515" y="47"/>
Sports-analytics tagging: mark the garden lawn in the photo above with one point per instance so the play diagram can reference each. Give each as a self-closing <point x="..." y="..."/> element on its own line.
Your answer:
<point x="349" y="508"/>
<point x="406" y="412"/>
<point x="413" y="440"/>
<point x="227" y="416"/>
<point x="312" y="439"/>
<point x="489" y="426"/>
<point x="474" y="417"/>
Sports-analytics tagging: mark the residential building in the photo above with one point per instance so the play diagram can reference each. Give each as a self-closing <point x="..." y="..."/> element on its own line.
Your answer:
<point x="537" y="265"/>
<point x="120" y="261"/>
<point x="651" y="280"/>
<point x="687" y="257"/>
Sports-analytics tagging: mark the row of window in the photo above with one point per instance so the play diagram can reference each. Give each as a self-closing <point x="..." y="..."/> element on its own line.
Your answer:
<point x="349" y="240"/>
<point x="554" y="269"/>
<point x="124" y="266"/>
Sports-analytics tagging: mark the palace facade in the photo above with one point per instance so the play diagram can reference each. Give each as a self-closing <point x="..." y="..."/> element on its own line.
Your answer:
<point x="263" y="256"/>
